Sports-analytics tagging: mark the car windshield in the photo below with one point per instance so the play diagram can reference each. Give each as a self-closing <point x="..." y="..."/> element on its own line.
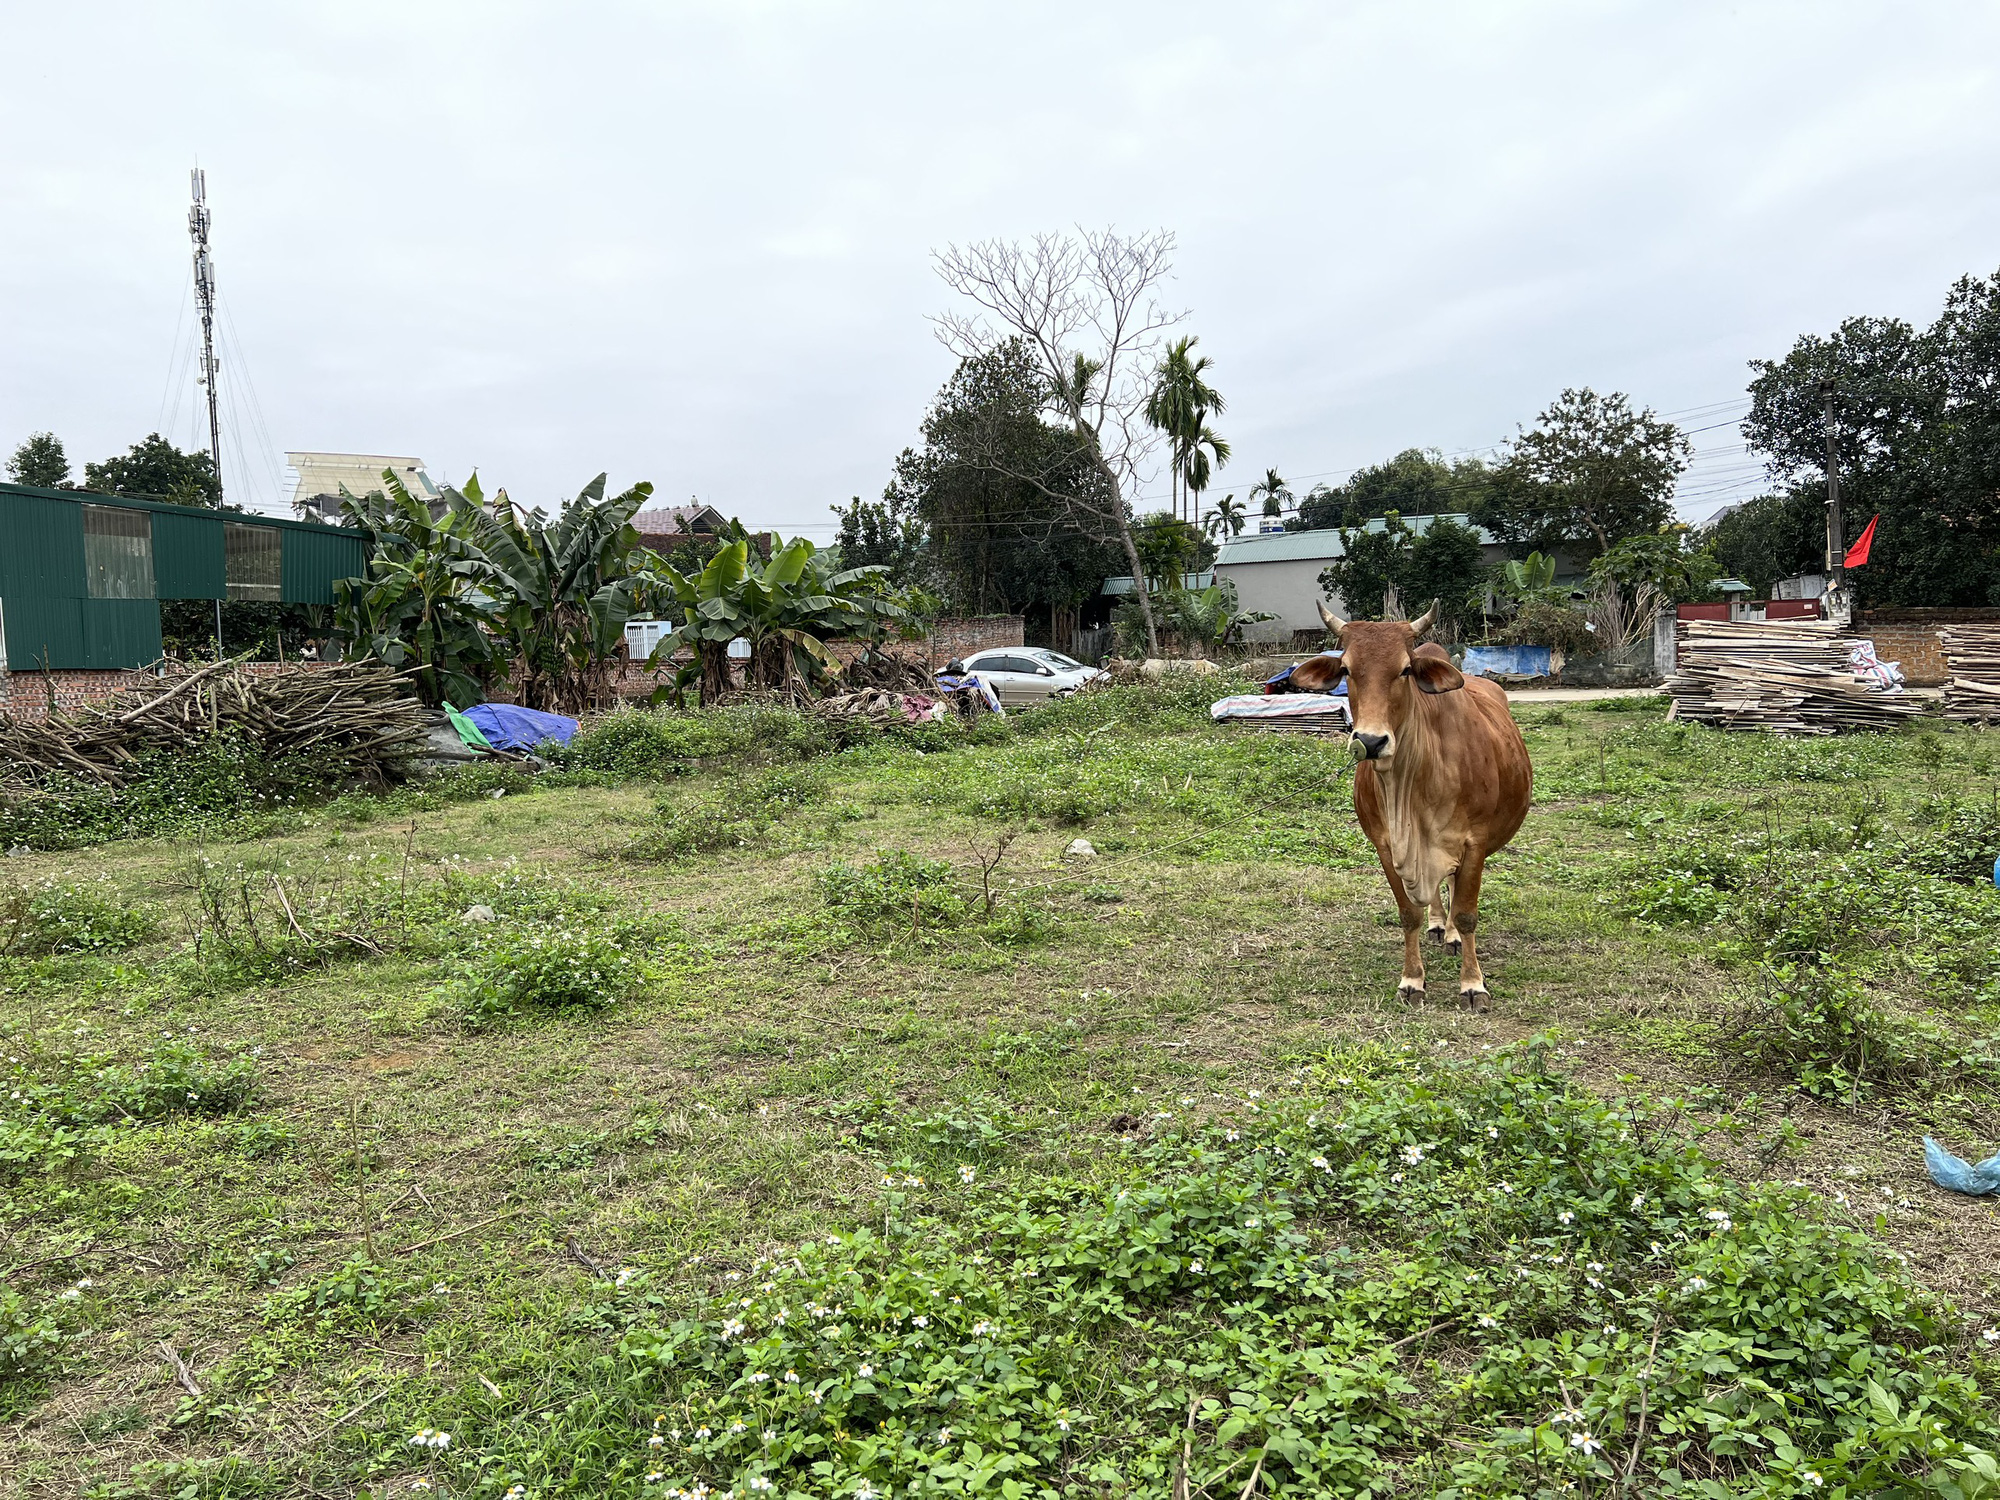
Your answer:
<point x="1057" y="660"/>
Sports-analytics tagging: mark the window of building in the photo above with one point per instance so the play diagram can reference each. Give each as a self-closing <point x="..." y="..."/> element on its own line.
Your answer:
<point x="253" y="560"/>
<point x="118" y="552"/>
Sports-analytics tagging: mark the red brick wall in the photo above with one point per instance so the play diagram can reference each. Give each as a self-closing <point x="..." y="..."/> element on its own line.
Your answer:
<point x="1916" y="647"/>
<point x="25" y="695"/>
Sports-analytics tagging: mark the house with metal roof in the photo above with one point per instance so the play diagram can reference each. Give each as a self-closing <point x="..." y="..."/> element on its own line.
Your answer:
<point x="320" y="476"/>
<point x="82" y="574"/>
<point x="1277" y="572"/>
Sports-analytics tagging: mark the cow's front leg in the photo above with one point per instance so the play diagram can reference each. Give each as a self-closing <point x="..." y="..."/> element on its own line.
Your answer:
<point x="1465" y="919"/>
<point x="1412" y="985"/>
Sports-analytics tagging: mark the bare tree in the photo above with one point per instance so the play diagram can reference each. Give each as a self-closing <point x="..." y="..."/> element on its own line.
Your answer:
<point x="1086" y="306"/>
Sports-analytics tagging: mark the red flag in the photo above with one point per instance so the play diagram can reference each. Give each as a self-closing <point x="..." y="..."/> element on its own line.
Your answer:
<point x="1858" y="553"/>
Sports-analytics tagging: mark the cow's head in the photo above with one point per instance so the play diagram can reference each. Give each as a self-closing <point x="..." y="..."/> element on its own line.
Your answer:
<point x="1385" y="668"/>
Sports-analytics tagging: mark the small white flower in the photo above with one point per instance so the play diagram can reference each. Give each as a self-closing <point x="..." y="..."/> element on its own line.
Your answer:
<point x="738" y="1427"/>
<point x="1413" y="1154"/>
<point x="1487" y="1320"/>
<point x="966" y="1174"/>
<point x="701" y="1432"/>
<point x="1195" y="1266"/>
<point x="1506" y="1188"/>
<point x="656" y="1441"/>
<point x="1812" y="1477"/>
<point x="865" y="1371"/>
<point x="1583" y="1440"/>
<point x="921" y="1321"/>
<point x="759" y="1482"/>
<point x="1566" y="1217"/>
<point x="1992" y="1335"/>
<point x="791" y="1377"/>
<point x="1638" y="1200"/>
<point x="981" y="1328"/>
<point x="1696" y="1284"/>
<point x="1321" y="1163"/>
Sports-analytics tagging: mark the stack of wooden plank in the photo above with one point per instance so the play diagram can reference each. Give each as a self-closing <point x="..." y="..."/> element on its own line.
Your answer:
<point x="1789" y="678"/>
<point x="1972" y="657"/>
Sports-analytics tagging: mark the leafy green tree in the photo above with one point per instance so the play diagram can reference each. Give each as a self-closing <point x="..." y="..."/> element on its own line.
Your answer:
<point x="40" y="461"/>
<point x="1169" y="548"/>
<point x="1443" y="561"/>
<point x="986" y="491"/>
<point x="1772" y="537"/>
<point x="1416" y="482"/>
<point x="423" y="602"/>
<point x="1917" y="424"/>
<point x="885" y="533"/>
<point x="561" y="592"/>
<point x="1593" y="470"/>
<point x="157" y="470"/>
<point x="1670" y="561"/>
<point x="1179" y="406"/>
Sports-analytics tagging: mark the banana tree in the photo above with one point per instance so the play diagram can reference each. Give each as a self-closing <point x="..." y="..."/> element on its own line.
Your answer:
<point x="422" y="602"/>
<point x="785" y="609"/>
<point x="564" y="590"/>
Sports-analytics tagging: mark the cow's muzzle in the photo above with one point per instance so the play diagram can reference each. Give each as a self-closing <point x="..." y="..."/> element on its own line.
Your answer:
<point x="1370" y="746"/>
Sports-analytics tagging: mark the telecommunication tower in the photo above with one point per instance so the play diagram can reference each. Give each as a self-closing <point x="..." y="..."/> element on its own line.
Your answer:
<point x="204" y="299"/>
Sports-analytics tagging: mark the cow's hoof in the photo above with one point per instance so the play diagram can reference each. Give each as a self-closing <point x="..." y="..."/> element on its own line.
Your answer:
<point x="1435" y="934"/>
<point x="1411" y="990"/>
<point x="1457" y="946"/>
<point x="1476" y="997"/>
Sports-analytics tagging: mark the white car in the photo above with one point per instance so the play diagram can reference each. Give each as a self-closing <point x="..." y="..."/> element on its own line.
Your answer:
<point x="1027" y="674"/>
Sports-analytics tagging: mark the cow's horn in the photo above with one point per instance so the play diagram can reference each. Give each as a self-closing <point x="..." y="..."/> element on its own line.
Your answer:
<point x="1333" y="621"/>
<point x="1423" y="621"/>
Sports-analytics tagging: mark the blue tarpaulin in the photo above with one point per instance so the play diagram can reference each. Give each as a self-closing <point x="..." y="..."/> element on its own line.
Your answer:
<point x="1282" y="683"/>
<point x="1961" y="1176"/>
<point x="1506" y="661"/>
<point x="508" y="726"/>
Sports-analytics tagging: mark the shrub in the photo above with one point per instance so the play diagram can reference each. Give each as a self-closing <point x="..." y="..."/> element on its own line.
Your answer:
<point x="88" y="918"/>
<point x="732" y="819"/>
<point x="1190" y="1312"/>
<point x="30" y="1335"/>
<point x="662" y="743"/>
<point x="356" y="1291"/>
<point x="179" y="1078"/>
<point x="552" y="967"/>
<point x="897" y="887"/>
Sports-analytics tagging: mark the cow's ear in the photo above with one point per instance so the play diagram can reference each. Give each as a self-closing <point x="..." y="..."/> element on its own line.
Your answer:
<point x="1319" y="674"/>
<point x="1435" y="674"/>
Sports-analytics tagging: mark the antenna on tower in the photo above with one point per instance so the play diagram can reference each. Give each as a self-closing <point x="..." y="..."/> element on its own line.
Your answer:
<point x="204" y="299"/>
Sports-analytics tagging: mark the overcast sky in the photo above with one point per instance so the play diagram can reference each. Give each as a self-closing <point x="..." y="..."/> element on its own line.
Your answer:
<point x="691" y="243"/>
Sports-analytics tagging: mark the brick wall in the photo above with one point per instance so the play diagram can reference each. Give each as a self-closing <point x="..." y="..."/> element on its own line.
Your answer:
<point x="25" y="695"/>
<point x="1916" y="647"/>
<point x="1910" y="636"/>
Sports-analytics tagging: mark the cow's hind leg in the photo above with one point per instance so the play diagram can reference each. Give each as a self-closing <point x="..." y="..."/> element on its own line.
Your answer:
<point x="1465" y="921"/>
<point x="1440" y="928"/>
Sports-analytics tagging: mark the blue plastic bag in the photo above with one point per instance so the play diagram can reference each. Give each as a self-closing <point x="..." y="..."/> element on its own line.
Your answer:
<point x="1961" y="1176"/>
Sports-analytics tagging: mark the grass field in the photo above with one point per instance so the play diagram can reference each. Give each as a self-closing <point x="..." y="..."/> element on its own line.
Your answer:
<point x="824" y="1120"/>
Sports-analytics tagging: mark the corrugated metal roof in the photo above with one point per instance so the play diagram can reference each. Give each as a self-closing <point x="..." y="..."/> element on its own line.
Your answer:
<point x="1313" y="546"/>
<point x="1122" y="584"/>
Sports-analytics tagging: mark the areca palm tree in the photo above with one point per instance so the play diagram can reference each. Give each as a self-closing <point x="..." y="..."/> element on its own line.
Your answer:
<point x="1179" y="407"/>
<point x="1228" y="516"/>
<point x="1275" y="491"/>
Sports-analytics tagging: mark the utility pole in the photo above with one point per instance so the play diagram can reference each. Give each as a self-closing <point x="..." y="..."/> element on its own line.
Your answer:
<point x="1836" y="533"/>
<point x="1837" y="604"/>
<point x="204" y="301"/>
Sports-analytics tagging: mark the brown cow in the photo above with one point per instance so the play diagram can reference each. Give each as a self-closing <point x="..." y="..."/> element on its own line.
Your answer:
<point x="1443" y="778"/>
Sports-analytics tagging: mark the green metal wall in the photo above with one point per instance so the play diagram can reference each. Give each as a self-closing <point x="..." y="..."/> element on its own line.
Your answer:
<point x="45" y="608"/>
<point x="187" y="556"/>
<point x="41" y="547"/>
<point x="314" y="559"/>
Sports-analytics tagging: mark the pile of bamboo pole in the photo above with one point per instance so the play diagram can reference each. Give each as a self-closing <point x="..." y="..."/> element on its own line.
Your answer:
<point x="357" y="717"/>
<point x="1791" y="678"/>
<point x="1972" y="658"/>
